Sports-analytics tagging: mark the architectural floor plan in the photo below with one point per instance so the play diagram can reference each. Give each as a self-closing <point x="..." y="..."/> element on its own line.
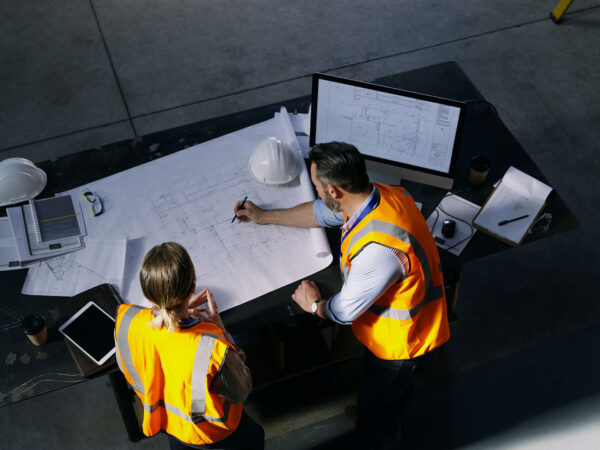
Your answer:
<point x="188" y="197"/>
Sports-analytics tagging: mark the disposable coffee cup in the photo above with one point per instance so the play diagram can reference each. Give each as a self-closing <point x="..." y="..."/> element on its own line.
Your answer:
<point x="480" y="166"/>
<point x="34" y="327"/>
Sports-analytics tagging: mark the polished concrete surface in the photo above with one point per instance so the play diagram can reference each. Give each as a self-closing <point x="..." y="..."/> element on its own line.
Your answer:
<point x="520" y="370"/>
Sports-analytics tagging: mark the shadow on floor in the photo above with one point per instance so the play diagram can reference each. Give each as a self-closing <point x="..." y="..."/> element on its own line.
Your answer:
<point x="459" y="410"/>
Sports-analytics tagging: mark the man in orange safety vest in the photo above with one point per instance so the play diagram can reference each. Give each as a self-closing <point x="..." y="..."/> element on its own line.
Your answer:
<point x="393" y="292"/>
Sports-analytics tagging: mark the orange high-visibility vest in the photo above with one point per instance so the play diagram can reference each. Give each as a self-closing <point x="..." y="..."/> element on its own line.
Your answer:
<point x="409" y="319"/>
<point x="171" y="373"/>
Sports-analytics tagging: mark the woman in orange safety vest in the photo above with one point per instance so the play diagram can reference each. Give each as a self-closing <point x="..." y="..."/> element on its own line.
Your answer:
<point x="180" y="360"/>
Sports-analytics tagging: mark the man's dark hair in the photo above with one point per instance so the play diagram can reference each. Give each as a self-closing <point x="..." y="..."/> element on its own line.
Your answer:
<point x="341" y="165"/>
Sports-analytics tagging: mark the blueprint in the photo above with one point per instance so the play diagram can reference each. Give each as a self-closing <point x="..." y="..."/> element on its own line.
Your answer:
<point x="188" y="197"/>
<point x="67" y="275"/>
<point x="389" y="126"/>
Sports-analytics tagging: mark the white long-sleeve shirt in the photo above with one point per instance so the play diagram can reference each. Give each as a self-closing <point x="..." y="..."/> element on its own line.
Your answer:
<point x="373" y="271"/>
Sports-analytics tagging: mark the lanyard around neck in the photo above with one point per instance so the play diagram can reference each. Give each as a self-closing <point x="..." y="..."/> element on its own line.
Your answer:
<point x="370" y="207"/>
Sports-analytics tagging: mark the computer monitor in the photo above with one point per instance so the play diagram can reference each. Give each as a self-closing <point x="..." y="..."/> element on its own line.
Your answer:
<point x="402" y="134"/>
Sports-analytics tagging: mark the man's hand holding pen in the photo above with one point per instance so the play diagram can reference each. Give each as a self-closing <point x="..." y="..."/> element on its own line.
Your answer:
<point x="247" y="211"/>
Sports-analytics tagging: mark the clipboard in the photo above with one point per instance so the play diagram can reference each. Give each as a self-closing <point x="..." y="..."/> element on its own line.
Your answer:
<point x="515" y="195"/>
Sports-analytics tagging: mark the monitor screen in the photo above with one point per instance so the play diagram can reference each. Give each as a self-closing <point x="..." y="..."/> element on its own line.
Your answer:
<point x="410" y="135"/>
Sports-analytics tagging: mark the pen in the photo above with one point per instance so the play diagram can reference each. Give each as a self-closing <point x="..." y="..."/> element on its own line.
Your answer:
<point x="504" y="222"/>
<point x="241" y="206"/>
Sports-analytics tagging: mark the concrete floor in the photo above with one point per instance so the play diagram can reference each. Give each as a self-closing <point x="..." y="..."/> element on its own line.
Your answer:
<point x="517" y="372"/>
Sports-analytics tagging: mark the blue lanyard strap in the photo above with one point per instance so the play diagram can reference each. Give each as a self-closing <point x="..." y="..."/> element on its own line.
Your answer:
<point x="370" y="207"/>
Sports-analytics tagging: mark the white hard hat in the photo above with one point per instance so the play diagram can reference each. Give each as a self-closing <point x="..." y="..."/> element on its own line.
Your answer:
<point x="20" y="180"/>
<point x="273" y="162"/>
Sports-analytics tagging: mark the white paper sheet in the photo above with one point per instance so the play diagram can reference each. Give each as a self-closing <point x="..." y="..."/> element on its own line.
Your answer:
<point x="301" y="124"/>
<point x="188" y="197"/>
<point x="9" y="257"/>
<point x="67" y="275"/>
<point x="453" y="207"/>
<point x="517" y="195"/>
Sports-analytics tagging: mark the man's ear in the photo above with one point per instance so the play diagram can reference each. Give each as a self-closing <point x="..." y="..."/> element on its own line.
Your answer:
<point x="334" y="191"/>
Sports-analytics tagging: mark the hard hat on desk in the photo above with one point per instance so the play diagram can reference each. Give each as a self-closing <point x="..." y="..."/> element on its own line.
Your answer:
<point x="273" y="162"/>
<point x="20" y="180"/>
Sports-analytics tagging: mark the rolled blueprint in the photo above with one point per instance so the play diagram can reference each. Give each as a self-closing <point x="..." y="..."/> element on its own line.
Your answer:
<point x="319" y="238"/>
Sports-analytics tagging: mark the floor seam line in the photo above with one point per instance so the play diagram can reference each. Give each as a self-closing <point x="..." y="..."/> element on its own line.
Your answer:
<point x="333" y="69"/>
<point x="71" y="133"/>
<point x="131" y="118"/>
<point x="114" y="70"/>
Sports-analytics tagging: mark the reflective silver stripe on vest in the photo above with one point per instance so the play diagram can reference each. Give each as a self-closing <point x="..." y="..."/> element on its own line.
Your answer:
<point x="195" y="418"/>
<point x="199" y="371"/>
<point x="125" y="350"/>
<point x="118" y="358"/>
<point x="387" y="312"/>
<point x="431" y="292"/>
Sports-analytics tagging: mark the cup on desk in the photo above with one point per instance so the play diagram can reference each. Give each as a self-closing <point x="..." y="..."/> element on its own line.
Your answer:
<point x="480" y="166"/>
<point x="34" y="327"/>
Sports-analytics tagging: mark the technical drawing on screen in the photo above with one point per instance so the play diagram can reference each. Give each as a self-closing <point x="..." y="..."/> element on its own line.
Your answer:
<point x="405" y="134"/>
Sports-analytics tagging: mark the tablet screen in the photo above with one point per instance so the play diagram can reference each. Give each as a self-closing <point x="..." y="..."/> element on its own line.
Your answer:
<point x="92" y="330"/>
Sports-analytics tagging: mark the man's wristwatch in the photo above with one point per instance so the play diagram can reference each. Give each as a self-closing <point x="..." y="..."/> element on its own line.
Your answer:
<point x="315" y="305"/>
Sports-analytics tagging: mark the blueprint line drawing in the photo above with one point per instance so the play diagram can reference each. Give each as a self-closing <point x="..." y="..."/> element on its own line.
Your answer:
<point x="63" y="269"/>
<point x="197" y="216"/>
<point x="67" y="275"/>
<point x="189" y="196"/>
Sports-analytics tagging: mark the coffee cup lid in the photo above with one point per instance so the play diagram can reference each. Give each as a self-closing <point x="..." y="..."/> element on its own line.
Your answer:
<point x="480" y="163"/>
<point x="33" y="324"/>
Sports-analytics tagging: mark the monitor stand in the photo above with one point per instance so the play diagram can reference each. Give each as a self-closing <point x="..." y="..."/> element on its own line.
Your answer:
<point x="384" y="178"/>
<point x="394" y="174"/>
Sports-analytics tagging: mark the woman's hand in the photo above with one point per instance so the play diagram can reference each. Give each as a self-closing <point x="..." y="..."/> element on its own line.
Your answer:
<point x="203" y="305"/>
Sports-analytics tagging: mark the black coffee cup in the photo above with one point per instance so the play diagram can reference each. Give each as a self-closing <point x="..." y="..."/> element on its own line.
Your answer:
<point x="480" y="166"/>
<point x="34" y="327"/>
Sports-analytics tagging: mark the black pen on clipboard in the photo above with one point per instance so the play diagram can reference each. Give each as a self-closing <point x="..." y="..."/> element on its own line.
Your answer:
<point x="504" y="222"/>
<point x="241" y="207"/>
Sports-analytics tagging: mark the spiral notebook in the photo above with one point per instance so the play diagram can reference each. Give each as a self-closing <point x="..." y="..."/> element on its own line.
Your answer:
<point x="55" y="219"/>
<point x="46" y="228"/>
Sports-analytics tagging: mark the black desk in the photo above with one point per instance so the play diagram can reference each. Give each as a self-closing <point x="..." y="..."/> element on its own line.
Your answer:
<point x="484" y="133"/>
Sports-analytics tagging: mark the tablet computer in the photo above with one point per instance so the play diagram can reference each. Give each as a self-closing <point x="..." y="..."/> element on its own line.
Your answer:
<point x="91" y="329"/>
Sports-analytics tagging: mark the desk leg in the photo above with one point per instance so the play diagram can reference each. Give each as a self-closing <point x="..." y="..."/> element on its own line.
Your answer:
<point x="451" y="285"/>
<point x="125" y="401"/>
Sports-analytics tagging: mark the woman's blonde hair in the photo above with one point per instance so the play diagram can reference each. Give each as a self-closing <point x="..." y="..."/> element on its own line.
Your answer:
<point x="167" y="278"/>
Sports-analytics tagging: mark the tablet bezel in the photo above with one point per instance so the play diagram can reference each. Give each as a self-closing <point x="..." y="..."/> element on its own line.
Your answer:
<point x="75" y="316"/>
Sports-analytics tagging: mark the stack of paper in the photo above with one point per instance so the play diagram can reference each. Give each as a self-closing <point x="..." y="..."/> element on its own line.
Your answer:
<point x="40" y="230"/>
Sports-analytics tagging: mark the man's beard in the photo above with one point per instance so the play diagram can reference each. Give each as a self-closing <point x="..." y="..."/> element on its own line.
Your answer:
<point x="331" y="203"/>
